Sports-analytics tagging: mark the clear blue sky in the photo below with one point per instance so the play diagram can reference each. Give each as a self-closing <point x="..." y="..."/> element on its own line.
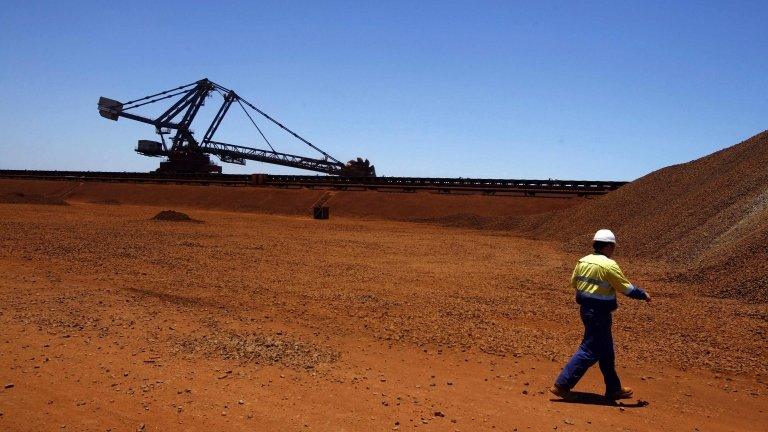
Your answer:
<point x="539" y="89"/>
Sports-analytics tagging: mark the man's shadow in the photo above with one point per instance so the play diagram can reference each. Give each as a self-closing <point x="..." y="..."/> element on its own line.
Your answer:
<point x="585" y="398"/>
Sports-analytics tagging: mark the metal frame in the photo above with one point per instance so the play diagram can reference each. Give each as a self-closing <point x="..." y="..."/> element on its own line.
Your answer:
<point x="403" y="184"/>
<point x="184" y="144"/>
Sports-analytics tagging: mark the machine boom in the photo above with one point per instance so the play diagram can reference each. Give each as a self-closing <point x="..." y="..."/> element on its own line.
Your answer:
<point x="188" y="155"/>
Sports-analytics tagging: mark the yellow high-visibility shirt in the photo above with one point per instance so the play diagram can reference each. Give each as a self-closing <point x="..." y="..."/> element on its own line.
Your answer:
<point x="598" y="277"/>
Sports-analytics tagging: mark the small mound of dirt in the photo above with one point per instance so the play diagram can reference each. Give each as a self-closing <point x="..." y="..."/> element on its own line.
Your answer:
<point x="173" y="216"/>
<point x="22" y="198"/>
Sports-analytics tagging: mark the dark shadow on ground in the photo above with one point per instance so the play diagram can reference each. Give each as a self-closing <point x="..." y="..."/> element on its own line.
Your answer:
<point x="596" y="399"/>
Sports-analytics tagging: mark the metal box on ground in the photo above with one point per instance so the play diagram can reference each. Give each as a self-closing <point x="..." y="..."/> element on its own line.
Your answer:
<point x="321" y="212"/>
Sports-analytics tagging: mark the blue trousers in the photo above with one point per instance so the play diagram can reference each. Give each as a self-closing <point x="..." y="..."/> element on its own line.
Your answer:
<point x="597" y="346"/>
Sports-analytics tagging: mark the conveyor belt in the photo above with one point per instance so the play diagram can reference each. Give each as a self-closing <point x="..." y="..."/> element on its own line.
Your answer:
<point x="391" y="184"/>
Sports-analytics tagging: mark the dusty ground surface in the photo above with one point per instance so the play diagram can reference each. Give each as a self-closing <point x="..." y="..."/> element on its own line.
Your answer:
<point x="295" y="202"/>
<point x="112" y="321"/>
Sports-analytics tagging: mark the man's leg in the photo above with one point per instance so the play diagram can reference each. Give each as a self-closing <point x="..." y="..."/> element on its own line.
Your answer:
<point x="585" y="356"/>
<point x="607" y="357"/>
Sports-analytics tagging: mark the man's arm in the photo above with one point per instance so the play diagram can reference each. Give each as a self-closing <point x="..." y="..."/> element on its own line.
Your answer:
<point x="573" y="277"/>
<point x="622" y="285"/>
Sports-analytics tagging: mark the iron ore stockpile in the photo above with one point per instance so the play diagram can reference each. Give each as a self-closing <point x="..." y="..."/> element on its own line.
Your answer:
<point x="403" y="311"/>
<point x="707" y="218"/>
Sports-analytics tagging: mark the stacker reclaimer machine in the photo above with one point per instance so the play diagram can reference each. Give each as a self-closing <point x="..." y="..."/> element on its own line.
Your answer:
<point x="187" y="154"/>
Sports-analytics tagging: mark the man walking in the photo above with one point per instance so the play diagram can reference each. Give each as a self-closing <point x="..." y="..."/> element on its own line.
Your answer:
<point x="596" y="279"/>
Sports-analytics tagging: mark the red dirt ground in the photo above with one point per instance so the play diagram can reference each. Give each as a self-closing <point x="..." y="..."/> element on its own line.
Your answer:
<point x="264" y="319"/>
<point x="356" y="204"/>
<point x="249" y="321"/>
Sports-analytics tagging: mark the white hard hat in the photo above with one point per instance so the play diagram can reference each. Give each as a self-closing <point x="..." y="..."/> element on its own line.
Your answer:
<point x="604" y="235"/>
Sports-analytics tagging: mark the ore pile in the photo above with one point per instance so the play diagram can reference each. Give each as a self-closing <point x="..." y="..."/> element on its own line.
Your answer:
<point x="173" y="216"/>
<point x="708" y="218"/>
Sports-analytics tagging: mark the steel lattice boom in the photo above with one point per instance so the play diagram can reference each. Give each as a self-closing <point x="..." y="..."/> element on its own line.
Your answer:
<point x="186" y="154"/>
